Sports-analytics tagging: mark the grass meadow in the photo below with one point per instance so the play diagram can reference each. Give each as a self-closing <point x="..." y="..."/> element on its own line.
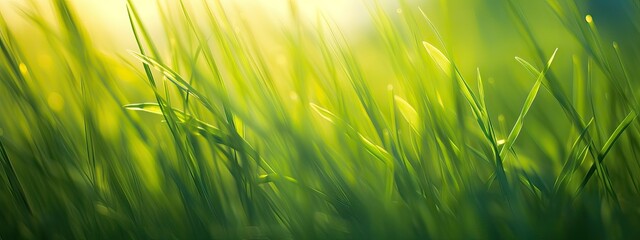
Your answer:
<point x="400" y="119"/>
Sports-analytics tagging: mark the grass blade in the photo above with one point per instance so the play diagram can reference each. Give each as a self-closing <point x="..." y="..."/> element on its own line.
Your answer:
<point x="439" y="58"/>
<point x="517" y="127"/>
<point x="607" y="146"/>
<point x="408" y="112"/>
<point x="14" y="182"/>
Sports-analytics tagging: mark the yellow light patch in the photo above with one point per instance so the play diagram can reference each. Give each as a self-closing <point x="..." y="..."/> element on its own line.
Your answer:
<point x="439" y="99"/>
<point x="281" y="60"/>
<point x="108" y="124"/>
<point x="589" y="18"/>
<point x="124" y="74"/>
<point x="146" y="164"/>
<point x="408" y="112"/>
<point x="45" y="61"/>
<point x="293" y="96"/>
<point x="240" y="127"/>
<point x="23" y="69"/>
<point x="55" y="101"/>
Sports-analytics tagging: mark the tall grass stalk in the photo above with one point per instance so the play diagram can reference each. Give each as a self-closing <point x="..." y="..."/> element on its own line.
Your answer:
<point x="208" y="128"/>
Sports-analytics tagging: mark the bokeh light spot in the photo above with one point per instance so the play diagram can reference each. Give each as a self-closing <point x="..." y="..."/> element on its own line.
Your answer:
<point x="589" y="18"/>
<point x="23" y="69"/>
<point x="55" y="101"/>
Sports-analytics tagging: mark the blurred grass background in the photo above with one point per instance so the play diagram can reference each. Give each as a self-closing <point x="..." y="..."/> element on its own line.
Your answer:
<point x="319" y="119"/>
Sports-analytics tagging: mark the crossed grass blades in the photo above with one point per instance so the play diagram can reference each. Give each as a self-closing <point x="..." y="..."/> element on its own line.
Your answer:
<point x="228" y="142"/>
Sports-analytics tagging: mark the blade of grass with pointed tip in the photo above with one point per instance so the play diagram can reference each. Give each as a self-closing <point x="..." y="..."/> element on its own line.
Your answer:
<point x="375" y="150"/>
<point x="439" y="58"/>
<point x="576" y="156"/>
<point x="481" y="97"/>
<point x="479" y="113"/>
<point x="179" y="82"/>
<point x="607" y="146"/>
<point x="553" y="85"/>
<point x="201" y="127"/>
<point x="447" y="67"/>
<point x="408" y="112"/>
<point x="626" y="75"/>
<point x="517" y="127"/>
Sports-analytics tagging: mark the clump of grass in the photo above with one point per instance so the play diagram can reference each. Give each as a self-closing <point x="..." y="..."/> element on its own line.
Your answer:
<point x="200" y="132"/>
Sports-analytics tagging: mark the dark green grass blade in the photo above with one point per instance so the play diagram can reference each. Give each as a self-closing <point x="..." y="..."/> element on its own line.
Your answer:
<point x="607" y="146"/>
<point x="14" y="183"/>
<point x="576" y="156"/>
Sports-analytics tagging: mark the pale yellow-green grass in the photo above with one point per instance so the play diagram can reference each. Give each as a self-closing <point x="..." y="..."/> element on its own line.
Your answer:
<point x="424" y="120"/>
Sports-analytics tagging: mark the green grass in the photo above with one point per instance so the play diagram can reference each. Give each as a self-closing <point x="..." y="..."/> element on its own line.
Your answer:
<point x="218" y="125"/>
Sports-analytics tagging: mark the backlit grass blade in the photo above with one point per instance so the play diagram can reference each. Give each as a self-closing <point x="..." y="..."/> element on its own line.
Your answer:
<point x="380" y="153"/>
<point x="200" y="127"/>
<point x="439" y="58"/>
<point x="448" y="68"/>
<point x="408" y="112"/>
<point x="481" y="97"/>
<point x="179" y="82"/>
<point x="479" y="112"/>
<point x="174" y="77"/>
<point x="372" y="148"/>
<point x="181" y="116"/>
<point x="517" y="127"/>
<point x="553" y="85"/>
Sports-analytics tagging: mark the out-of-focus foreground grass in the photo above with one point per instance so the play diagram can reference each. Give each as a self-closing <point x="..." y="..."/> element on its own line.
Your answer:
<point x="205" y="120"/>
